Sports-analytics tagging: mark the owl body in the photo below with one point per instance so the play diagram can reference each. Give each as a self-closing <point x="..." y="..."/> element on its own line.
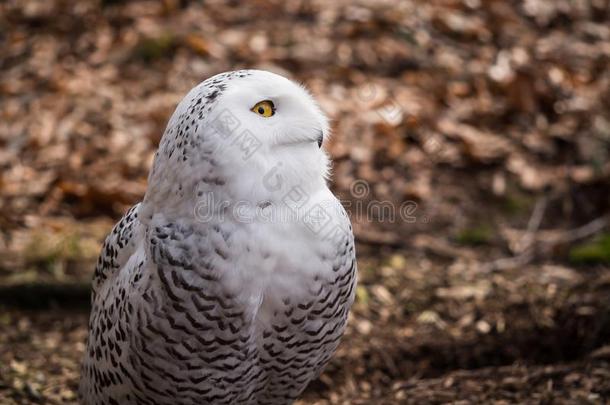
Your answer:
<point x="232" y="281"/>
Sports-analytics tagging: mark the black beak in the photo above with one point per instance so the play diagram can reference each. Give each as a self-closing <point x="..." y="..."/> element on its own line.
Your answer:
<point x="320" y="139"/>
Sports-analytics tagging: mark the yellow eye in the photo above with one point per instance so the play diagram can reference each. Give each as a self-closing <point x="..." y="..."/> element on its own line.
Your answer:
<point x="264" y="108"/>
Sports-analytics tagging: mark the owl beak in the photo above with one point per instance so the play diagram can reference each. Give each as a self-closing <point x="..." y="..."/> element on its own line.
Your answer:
<point x="320" y="138"/>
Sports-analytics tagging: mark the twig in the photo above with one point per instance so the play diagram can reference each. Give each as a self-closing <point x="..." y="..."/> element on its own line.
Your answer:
<point x="506" y="263"/>
<point x="590" y="228"/>
<point x="532" y="226"/>
<point x="549" y="240"/>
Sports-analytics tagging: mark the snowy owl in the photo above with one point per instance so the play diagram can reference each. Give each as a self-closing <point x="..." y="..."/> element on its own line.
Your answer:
<point x="231" y="282"/>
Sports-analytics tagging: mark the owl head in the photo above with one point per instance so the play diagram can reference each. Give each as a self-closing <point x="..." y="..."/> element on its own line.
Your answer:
<point x="248" y="135"/>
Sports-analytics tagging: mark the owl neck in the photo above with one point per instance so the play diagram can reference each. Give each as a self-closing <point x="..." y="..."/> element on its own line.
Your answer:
<point x="214" y="187"/>
<point x="273" y="178"/>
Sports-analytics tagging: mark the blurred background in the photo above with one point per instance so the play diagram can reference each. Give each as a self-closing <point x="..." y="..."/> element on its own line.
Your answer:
<point x="484" y="124"/>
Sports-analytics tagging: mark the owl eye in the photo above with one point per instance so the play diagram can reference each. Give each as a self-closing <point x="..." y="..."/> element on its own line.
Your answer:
<point x="264" y="108"/>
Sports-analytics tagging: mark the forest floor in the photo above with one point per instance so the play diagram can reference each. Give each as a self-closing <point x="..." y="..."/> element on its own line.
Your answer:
<point x="420" y="332"/>
<point x="482" y="127"/>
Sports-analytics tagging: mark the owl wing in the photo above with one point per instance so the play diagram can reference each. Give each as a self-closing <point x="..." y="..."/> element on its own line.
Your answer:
<point x="118" y="247"/>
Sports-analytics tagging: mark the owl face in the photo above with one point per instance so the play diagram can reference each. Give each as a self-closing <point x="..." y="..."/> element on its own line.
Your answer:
<point x="275" y="110"/>
<point x="275" y="136"/>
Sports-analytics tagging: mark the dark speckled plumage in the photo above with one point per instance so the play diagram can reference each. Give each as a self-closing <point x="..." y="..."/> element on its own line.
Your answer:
<point x="217" y="311"/>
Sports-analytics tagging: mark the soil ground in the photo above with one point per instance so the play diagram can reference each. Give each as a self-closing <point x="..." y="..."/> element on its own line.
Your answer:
<point x="420" y="333"/>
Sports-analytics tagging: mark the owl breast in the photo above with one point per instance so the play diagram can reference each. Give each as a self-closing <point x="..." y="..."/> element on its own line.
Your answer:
<point x="202" y="323"/>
